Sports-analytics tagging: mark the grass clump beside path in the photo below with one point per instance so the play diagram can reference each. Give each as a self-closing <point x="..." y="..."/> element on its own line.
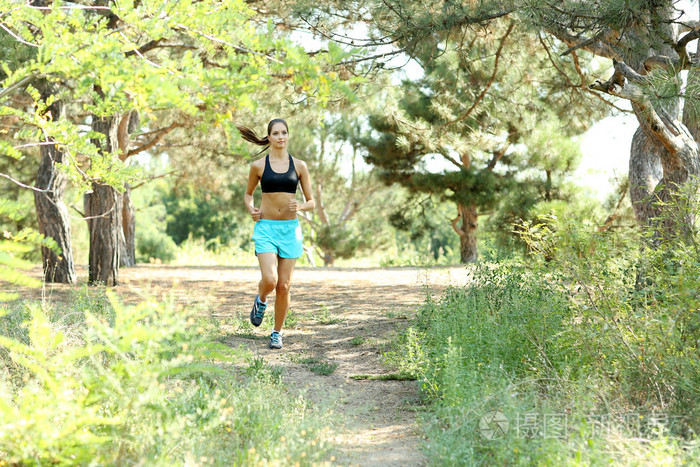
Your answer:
<point x="561" y="359"/>
<point x="98" y="383"/>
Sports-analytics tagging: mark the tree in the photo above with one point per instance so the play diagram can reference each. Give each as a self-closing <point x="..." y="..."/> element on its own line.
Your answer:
<point x="351" y="203"/>
<point x="472" y="127"/>
<point x="194" y="63"/>
<point x="648" y="42"/>
<point x="51" y="210"/>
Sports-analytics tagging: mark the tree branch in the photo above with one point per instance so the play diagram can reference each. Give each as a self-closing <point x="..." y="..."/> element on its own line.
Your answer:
<point x="148" y="46"/>
<point x="17" y="38"/>
<point x="11" y="88"/>
<point x="666" y="63"/>
<point x="454" y="221"/>
<point x="691" y="36"/>
<point x="597" y="47"/>
<point x="320" y="208"/>
<point x="491" y="79"/>
<point x="451" y="159"/>
<point x="233" y="46"/>
<point x="155" y="177"/>
<point x="577" y="65"/>
<point x="497" y="157"/>
<point x="586" y="42"/>
<point x="22" y="185"/>
<point x="625" y="83"/>
<point x="153" y="142"/>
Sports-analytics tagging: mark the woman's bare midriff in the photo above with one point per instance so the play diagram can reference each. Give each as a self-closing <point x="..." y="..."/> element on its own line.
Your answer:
<point x="275" y="206"/>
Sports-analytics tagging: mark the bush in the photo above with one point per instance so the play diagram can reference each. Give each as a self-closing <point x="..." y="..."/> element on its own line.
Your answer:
<point x="152" y="243"/>
<point x="196" y="212"/>
<point x="507" y="320"/>
<point x="590" y="329"/>
<point x="100" y="383"/>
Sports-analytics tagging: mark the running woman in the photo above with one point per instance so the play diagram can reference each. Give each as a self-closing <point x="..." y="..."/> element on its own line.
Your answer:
<point x="277" y="233"/>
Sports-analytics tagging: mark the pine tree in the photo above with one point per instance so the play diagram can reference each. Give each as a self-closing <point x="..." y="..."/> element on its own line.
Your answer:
<point x="487" y="117"/>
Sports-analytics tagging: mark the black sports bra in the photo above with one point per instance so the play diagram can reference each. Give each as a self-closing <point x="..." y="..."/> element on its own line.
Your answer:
<point x="275" y="182"/>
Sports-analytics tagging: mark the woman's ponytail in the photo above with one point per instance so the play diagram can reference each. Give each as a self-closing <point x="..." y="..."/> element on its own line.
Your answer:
<point x="252" y="137"/>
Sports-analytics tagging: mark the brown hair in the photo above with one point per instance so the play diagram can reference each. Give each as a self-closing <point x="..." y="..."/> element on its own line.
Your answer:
<point x="252" y="137"/>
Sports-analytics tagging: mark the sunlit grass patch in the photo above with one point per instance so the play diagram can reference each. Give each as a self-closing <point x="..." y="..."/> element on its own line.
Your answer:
<point x="323" y="368"/>
<point x="315" y="364"/>
<point x="357" y="341"/>
<point x="325" y="316"/>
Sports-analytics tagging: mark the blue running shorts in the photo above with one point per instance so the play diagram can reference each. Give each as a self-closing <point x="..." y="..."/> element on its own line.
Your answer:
<point x="281" y="237"/>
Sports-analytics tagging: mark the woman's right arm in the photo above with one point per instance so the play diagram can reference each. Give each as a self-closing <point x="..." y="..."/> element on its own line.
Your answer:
<point x="253" y="180"/>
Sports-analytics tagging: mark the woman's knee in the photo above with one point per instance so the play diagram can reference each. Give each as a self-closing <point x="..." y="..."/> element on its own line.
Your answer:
<point x="269" y="281"/>
<point x="282" y="287"/>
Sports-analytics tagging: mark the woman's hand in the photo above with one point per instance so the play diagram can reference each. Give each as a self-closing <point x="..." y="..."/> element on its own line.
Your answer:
<point x="255" y="213"/>
<point x="294" y="206"/>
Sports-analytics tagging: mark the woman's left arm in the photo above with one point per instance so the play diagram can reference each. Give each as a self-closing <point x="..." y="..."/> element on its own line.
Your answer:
<point x="305" y="180"/>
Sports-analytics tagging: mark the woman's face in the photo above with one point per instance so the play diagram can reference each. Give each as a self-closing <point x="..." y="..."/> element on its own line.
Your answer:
<point x="279" y="136"/>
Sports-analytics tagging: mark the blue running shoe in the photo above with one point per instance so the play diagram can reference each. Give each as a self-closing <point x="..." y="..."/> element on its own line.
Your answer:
<point x="275" y="340"/>
<point x="258" y="311"/>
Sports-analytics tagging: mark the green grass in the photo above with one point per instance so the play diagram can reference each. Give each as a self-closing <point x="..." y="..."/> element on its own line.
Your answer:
<point x="357" y="341"/>
<point x="325" y="316"/>
<point x="570" y="338"/>
<point x="310" y="360"/>
<point x="323" y="368"/>
<point x="315" y="364"/>
<point x="394" y="315"/>
<point x="259" y="369"/>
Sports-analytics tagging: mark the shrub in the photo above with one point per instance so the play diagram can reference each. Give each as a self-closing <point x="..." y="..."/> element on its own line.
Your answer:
<point x="143" y="384"/>
<point x="152" y="243"/>
<point x="590" y="329"/>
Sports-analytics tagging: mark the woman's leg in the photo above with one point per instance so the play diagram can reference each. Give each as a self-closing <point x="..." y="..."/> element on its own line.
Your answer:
<point x="285" y="267"/>
<point x="268" y="271"/>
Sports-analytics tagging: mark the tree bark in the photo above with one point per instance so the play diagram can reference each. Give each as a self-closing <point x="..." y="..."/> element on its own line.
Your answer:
<point x="467" y="232"/>
<point x="104" y="213"/>
<point x="645" y="172"/>
<point x="127" y="238"/>
<point x="671" y="141"/>
<point x="51" y="211"/>
<point x="679" y="157"/>
<point x="328" y="259"/>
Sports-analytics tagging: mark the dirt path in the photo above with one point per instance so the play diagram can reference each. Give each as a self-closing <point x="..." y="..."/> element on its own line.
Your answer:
<point x="342" y="317"/>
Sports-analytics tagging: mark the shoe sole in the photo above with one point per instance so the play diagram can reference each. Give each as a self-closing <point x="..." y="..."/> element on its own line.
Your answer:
<point x="252" y="320"/>
<point x="252" y="314"/>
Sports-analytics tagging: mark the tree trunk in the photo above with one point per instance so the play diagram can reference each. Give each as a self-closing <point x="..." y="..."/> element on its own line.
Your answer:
<point x="548" y="186"/>
<point x="104" y="224"/>
<point x="679" y="159"/>
<point x="328" y="259"/>
<point x="645" y="172"/>
<point x="103" y="209"/>
<point x="467" y="233"/>
<point x="51" y="211"/>
<point x="127" y="240"/>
